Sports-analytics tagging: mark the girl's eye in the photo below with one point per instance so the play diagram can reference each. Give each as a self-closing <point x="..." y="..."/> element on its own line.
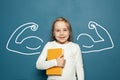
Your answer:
<point x="65" y="30"/>
<point x="57" y="30"/>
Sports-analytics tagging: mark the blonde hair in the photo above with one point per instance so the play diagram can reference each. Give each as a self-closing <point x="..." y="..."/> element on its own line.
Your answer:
<point x="69" y="27"/>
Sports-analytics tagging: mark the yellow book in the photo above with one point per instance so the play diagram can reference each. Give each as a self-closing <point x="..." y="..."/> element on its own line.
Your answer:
<point x="53" y="54"/>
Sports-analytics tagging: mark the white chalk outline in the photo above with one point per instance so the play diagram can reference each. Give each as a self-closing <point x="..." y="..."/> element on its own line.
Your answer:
<point x="33" y="26"/>
<point x="92" y="25"/>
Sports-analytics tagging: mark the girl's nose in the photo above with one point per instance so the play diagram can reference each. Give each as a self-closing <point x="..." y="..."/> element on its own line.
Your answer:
<point x="61" y="32"/>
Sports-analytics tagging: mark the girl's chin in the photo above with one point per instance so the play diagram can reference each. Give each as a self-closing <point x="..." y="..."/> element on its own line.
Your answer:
<point x="62" y="42"/>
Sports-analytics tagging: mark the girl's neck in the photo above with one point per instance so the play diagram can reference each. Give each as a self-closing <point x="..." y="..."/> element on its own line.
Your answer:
<point x="62" y="42"/>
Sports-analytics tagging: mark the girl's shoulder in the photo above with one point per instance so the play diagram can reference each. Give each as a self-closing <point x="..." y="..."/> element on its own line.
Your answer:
<point x="49" y="44"/>
<point x="75" y="47"/>
<point x="74" y="44"/>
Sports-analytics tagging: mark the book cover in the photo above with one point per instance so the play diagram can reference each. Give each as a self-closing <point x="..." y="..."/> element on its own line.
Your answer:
<point x="53" y="54"/>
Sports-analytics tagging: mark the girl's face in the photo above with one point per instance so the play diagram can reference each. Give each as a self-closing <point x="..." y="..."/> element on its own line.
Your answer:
<point x="61" y="32"/>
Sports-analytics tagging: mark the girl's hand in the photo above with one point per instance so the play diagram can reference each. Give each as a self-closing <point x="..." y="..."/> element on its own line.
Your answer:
<point x="61" y="61"/>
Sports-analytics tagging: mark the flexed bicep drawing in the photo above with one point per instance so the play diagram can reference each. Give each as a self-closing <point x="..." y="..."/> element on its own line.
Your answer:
<point x="16" y="45"/>
<point x="89" y="44"/>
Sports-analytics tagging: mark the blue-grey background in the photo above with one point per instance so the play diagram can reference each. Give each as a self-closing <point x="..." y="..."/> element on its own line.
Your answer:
<point x="103" y="65"/>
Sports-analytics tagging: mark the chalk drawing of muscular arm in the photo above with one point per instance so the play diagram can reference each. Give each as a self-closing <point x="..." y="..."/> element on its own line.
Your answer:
<point x="105" y="41"/>
<point x="13" y="40"/>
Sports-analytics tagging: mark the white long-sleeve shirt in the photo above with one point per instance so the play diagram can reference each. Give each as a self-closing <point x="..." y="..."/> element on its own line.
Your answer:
<point x="73" y="66"/>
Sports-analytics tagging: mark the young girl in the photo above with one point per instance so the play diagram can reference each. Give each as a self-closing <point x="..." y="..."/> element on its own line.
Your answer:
<point x="70" y="61"/>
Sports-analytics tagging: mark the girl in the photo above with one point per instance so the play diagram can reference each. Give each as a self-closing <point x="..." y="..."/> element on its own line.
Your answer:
<point x="70" y="61"/>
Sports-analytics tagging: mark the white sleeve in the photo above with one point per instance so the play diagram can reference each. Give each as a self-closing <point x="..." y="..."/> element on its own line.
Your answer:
<point x="79" y="64"/>
<point x="42" y="63"/>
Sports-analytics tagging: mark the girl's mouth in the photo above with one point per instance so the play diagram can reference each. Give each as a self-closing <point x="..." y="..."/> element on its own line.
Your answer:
<point x="61" y="37"/>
